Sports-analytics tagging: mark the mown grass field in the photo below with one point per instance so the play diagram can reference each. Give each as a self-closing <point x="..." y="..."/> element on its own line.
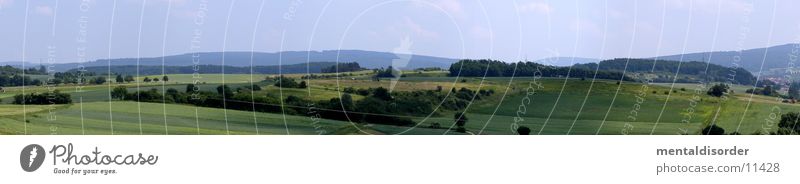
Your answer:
<point x="103" y="118"/>
<point x="556" y="106"/>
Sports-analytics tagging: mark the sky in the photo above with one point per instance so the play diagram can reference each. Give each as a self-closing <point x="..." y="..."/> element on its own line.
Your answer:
<point x="63" y="31"/>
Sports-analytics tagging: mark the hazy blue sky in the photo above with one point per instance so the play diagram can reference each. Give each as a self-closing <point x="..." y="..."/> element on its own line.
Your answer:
<point x="506" y="30"/>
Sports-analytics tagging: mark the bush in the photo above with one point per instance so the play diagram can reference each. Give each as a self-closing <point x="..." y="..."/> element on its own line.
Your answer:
<point x="382" y="93"/>
<point x="151" y="95"/>
<point x="285" y="82"/>
<point x="302" y="85"/>
<point x="460" y="119"/>
<point x="718" y="90"/>
<point x="119" y="92"/>
<point x="783" y="131"/>
<point x="523" y="130"/>
<point x="349" y="90"/>
<point x="713" y="130"/>
<point x="255" y="87"/>
<point x="466" y="94"/>
<point x="129" y="78"/>
<point x="224" y="91"/>
<point x="191" y="88"/>
<point x="55" y="97"/>
<point x="389" y="72"/>
<point x="362" y="92"/>
<point x="790" y="121"/>
<point x="99" y="80"/>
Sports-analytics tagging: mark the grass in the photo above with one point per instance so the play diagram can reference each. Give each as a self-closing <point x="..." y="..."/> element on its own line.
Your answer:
<point x="95" y="118"/>
<point x="207" y="78"/>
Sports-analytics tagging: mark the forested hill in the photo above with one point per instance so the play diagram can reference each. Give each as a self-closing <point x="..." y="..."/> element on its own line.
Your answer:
<point x="367" y="59"/>
<point x="755" y="60"/>
<point x="664" y="70"/>
<point x="313" y="67"/>
<point x="493" y="68"/>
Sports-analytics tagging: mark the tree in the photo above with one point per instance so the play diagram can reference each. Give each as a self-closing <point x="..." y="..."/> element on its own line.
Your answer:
<point x="347" y="102"/>
<point x="493" y="68"/>
<point x="389" y="72"/>
<point x="302" y="85"/>
<point x="42" y="69"/>
<point x="718" y="90"/>
<point x="119" y="79"/>
<point x="225" y="91"/>
<point x="99" y="80"/>
<point x="173" y="94"/>
<point x="790" y="121"/>
<point x="129" y="78"/>
<point x="165" y="79"/>
<point x="713" y="130"/>
<point x="119" y="92"/>
<point x="461" y="120"/>
<point x="155" y="79"/>
<point x="36" y="82"/>
<point x="523" y="130"/>
<point x="190" y="88"/>
<point x="255" y="87"/>
<point x="794" y="90"/>
<point x="146" y="79"/>
<point x="285" y="82"/>
<point x="382" y="93"/>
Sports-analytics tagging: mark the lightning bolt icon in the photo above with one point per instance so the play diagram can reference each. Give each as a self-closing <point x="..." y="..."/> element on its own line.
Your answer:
<point x="32" y="157"/>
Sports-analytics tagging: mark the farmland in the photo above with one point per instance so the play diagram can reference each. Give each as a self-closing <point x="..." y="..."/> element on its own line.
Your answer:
<point x="545" y="105"/>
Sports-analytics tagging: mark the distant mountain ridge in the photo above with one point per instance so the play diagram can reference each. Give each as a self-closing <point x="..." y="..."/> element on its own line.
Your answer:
<point x="773" y="57"/>
<point x="303" y="68"/>
<point x="664" y="71"/>
<point x="367" y="59"/>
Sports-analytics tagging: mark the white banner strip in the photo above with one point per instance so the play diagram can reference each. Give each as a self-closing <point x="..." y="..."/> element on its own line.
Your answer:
<point x="400" y="159"/>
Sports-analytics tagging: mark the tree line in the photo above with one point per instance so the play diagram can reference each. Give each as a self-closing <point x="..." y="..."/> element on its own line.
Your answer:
<point x="699" y="71"/>
<point x="54" y="97"/>
<point x="379" y="106"/>
<point x="12" y="76"/>
<point x="494" y="68"/>
<point x="342" y="67"/>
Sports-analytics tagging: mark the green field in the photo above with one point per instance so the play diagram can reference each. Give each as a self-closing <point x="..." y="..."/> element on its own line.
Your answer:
<point x="94" y="118"/>
<point x="558" y="106"/>
<point x="208" y="78"/>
